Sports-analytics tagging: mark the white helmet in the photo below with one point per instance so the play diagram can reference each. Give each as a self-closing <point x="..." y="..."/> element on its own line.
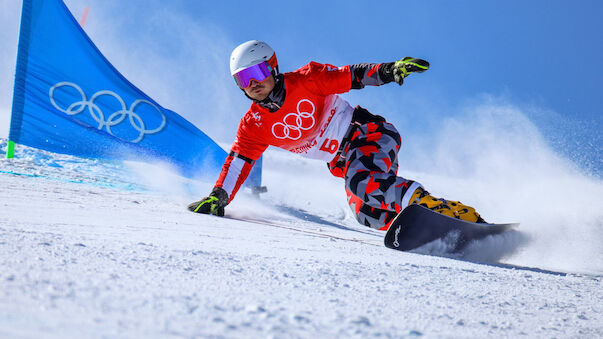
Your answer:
<point x="251" y="53"/>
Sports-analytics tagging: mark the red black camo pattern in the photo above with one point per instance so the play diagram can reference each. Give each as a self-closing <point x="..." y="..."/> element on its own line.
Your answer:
<point x="370" y="169"/>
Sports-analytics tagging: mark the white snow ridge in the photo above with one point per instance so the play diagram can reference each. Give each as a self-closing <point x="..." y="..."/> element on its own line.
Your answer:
<point x="93" y="249"/>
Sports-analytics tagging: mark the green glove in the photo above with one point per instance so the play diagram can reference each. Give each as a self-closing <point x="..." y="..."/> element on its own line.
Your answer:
<point x="213" y="204"/>
<point x="403" y="67"/>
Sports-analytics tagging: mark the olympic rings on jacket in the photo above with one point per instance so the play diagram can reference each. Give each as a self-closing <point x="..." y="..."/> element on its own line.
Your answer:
<point x="114" y="118"/>
<point x="294" y="123"/>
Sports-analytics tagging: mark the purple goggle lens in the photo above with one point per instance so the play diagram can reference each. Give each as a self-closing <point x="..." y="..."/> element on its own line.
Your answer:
<point x="257" y="72"/>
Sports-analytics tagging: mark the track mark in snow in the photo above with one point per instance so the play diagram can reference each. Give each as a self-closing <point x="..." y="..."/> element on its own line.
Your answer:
<point x="319" y="233"/>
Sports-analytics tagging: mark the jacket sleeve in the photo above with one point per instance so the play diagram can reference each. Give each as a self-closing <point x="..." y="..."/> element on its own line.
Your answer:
<point x="239" y="162"/>
<point x="326" y="79"/>
<point x="235" y="171"/>
<point x="368" y="74"/>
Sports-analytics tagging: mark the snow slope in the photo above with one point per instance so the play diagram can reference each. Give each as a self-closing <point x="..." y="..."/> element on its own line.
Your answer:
<point x="97" y="249"/>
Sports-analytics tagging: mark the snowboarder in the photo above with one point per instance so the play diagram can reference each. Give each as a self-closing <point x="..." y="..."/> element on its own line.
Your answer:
<point x="301" y="112"/>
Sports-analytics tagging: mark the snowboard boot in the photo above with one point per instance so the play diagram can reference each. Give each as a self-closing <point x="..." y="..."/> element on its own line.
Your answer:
<point x="449" y="208"/>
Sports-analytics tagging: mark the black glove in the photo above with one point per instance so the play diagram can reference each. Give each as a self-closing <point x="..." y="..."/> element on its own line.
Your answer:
<point x="403" y="67"/>
<point x="214" y="204"/>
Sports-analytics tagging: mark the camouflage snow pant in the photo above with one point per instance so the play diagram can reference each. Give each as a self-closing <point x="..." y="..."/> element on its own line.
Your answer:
<point x="369" y="165"/>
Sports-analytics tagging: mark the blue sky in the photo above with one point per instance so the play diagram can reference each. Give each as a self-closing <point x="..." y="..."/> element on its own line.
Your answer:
<point x="550" y="52"/>
<point x="542" y="56"/>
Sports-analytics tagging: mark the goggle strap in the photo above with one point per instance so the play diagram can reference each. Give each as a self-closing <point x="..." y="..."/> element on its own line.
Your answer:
<point x="272" y="61"/>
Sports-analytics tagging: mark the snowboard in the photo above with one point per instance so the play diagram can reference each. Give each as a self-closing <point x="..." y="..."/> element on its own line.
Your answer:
<point x="416" y="226"/>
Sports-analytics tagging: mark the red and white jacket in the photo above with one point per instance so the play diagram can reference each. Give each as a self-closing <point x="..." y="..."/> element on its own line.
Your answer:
<point x="311" y="122"/>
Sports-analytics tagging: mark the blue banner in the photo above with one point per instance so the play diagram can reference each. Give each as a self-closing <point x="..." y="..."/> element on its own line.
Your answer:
<point x="69" y="99"/>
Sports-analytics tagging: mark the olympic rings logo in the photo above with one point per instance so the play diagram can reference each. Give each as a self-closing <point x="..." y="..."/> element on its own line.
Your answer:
<point x="294" y="123"/>
<point x="115" y="118"/>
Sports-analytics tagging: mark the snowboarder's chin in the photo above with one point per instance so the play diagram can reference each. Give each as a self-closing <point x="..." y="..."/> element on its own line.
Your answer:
<point x="258" y="93"/>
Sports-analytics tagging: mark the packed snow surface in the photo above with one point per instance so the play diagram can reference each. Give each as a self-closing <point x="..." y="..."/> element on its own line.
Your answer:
<point x="100" y="249"/>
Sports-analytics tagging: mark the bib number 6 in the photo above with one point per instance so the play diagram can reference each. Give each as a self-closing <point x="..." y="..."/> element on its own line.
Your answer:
<point x="330" y="146"/>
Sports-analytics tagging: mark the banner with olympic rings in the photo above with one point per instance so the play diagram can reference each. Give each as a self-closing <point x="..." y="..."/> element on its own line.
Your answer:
<point x="69" y="99"/>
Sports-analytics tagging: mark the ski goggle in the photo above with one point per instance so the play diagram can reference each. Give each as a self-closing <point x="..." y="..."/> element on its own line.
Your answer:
<point x="257" y="72"/>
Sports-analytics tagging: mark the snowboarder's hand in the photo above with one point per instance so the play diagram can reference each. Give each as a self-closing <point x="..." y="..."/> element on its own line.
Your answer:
<point x="403" y="67"/>
<point x="214" y="204"/>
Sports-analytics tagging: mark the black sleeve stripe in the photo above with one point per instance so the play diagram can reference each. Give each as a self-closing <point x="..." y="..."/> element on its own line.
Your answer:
<point x="244" y="158"/>
<point x="369" y="74"/>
